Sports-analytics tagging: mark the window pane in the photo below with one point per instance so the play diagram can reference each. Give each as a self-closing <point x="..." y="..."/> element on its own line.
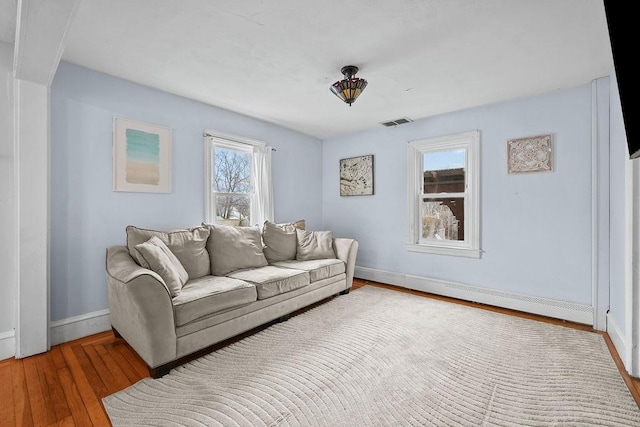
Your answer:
<point x="232" y="171"/>
<point x="442" y="218"/>
<point x="444" y="171"/>
<point x="233" y="210"/>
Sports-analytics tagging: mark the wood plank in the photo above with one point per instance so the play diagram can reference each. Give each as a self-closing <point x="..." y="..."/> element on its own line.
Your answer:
<point x="54" y="395"/>
<point x="57" y="357"/>
<point x="74" y="401"/>
<point x="20" y="395"/>
<point x="98" y="341"/>
<point x="103" y="372"/>
<point x="7" y="405"/>
<point x="625" y="375"/>
<point x="89" y="372"/>
<point x="117" y="370"/>
<point x="66" y="422"/>
<point x="138" y="364"/>
<point x="88" y="338"/>
<point x="89" y="397"/>
<point x="127" y="368"/>
<point x="41" y="416"/>
<point x="7" y="362"/>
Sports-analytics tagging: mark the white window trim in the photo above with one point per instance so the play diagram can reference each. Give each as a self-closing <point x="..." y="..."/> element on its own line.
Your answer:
<point x="471" y="142"/>
<point x="233" y="142"/>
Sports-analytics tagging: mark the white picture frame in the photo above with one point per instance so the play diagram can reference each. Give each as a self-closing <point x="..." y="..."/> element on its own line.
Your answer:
<point x="141" y="157"/>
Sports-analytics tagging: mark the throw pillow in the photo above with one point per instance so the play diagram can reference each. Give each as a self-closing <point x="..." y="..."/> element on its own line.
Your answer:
<point x="233" y="248"/>
<point x="161" y="260"/>
<point x="188" y="245"/>
<point x="299" y="224"/>
<point x="314" y="245"/>
<point x="280" y="240"/>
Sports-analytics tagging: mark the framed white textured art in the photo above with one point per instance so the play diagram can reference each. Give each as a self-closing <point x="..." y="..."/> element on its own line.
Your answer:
<point x="141" y="157"/>
<point x="356" y="176"/>
<point x="530" y="154"/>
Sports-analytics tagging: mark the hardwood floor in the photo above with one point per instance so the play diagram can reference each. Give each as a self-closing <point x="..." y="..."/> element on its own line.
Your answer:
<point x="65" y="386"/>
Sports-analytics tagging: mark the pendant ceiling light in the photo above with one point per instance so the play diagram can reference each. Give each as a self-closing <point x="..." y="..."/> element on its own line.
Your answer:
<point x="351" y="87"/>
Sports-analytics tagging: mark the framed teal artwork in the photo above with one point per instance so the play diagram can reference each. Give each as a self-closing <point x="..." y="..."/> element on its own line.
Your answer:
<point x="141" y="157"/>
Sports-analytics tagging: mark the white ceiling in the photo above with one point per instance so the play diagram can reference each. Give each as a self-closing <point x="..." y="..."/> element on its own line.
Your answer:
<point x="275" y="59"/>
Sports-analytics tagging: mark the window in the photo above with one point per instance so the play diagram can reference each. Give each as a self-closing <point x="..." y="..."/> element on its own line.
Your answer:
<point x="238" y="181"/>
<point x="443" y="195"/>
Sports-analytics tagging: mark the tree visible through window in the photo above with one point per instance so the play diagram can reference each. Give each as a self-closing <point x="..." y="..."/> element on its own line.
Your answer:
<point x="232" y="180"/>
<point x="442" y="208"/>
<point x="238" y="183"/>
<point x="443" y="188"/>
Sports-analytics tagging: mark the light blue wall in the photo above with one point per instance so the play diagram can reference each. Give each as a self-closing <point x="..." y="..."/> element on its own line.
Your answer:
<point x="618" y="234"/>
<point x="535" y="228"/>
<point x="87" y="216"/>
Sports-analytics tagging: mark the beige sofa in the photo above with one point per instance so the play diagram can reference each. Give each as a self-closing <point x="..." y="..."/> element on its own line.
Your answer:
<point x="238" y="278"/>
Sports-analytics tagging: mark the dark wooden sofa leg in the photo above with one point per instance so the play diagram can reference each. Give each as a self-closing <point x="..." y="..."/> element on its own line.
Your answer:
<point x="160" y="371"/>
<point x="345" y="292"/>
<point x="116" y="333"/>
<point x="283" y="318"/>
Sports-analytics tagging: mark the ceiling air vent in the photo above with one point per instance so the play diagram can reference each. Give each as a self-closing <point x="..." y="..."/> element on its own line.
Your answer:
<point x="396" y="122"/>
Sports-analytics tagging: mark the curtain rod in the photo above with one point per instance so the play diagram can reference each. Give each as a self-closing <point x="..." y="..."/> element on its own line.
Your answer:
<point x="208" y="135"/>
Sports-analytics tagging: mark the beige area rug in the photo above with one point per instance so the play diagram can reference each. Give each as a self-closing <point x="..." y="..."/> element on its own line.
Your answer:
<point x="382" y="358"/>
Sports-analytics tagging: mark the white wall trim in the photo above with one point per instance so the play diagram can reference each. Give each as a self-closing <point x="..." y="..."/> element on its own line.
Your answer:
<point x="537" y="305"/>
<point x="633" y="331"/>
<point x="618" y="339"/>
<point x="7" y="345"/>
<point x="627" y="356"/>
<point x="594" y="200"/>
<point x="81" y="326"/>
<point x="31" y="197"/>
<point x="600" y="202"/>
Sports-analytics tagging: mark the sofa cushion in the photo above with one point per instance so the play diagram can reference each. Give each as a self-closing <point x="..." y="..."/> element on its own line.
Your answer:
<point x="210" y="294"/>
<point x="161" y="260"/>
<point x="314" y="245"/>
<point x="233" y="248"/>
<point x="280" y="240"/>
<point x="270" y="281"/>
<point x="188" y="245"/>
<point x="318" y="269"/>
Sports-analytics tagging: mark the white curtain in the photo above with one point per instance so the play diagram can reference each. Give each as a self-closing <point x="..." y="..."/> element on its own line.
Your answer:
<point x="262" y="207"/>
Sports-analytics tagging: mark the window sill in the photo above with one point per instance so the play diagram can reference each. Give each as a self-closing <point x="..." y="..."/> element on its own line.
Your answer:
<point x="440" y="250"/>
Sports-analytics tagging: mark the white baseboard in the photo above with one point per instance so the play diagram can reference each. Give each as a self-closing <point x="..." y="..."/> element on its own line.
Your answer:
<point x="81" y="326"/>
<point x="618" y="341"/>
<point x="573" y="312"/>
<point x="7" y="345"/>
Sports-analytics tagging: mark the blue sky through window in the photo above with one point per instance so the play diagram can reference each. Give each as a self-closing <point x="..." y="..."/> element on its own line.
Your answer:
<point x="439" y="160"/>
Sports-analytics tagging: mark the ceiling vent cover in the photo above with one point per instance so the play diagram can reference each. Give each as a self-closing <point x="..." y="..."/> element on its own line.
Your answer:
<point x="396" y="122"/>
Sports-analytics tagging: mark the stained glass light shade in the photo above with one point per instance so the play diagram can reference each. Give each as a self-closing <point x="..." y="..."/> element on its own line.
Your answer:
<point x="351" y="87"/>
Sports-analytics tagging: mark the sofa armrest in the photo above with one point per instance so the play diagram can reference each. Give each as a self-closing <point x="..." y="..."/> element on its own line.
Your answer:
<point x="140" y="308"/>
<point x="347" y="251"/>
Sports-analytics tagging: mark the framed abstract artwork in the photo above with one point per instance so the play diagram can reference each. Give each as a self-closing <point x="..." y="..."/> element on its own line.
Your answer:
<point x="356" y="176"/>
<point x="141" y="157"/>
<point x="530" y="154"/>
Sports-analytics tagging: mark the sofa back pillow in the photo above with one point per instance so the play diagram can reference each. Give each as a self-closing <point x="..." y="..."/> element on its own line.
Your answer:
<point x="280" y="240"/>
<point x="314" y="245"/>
<point x="161" y="260"/>
<point x="188" y="245"/>
<point x="234" y="248"/>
